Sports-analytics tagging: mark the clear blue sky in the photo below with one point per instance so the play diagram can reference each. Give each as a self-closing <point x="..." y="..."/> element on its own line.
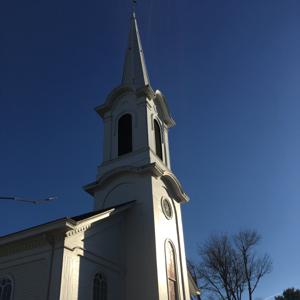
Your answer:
<point x="231" y="73"/>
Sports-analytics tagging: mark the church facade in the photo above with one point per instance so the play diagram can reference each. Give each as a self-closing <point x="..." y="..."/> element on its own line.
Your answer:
<point x="131" y="246"/>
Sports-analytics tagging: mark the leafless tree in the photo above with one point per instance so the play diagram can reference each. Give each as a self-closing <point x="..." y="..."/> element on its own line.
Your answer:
<point x="254" y="267"/>
<point x="220" y="269"/>
<point x="229" y="265"/>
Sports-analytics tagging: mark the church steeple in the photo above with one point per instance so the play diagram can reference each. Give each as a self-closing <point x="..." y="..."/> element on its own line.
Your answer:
<point x="136" y="167"/>
<point x="135" y="72"/>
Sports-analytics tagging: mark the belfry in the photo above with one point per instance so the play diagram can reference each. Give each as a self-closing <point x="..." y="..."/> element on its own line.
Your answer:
<point x="131" y="245"/>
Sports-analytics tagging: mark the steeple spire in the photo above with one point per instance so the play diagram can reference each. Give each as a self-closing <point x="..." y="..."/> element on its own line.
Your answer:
<point x="135" y="71"/>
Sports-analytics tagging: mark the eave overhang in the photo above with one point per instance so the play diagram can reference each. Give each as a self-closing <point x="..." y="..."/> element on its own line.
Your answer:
<point x="60" y="225"/>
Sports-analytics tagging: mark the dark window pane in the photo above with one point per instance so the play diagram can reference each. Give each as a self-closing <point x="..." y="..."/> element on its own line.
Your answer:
<point x="125" y="134"/>
<point x="6" y="292"/>
<point x="158" y="146"/>
<point x="5" y="289"/>
<point x="100" y="288"/>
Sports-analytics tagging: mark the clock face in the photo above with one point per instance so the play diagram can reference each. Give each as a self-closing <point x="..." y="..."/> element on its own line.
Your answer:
<point x="167" y="208"/>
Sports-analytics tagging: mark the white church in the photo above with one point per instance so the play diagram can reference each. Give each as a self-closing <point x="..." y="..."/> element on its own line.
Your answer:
<point x="131" y="245"/>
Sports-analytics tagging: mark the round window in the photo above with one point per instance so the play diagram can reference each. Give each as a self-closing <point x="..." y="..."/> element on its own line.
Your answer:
<point x="167" y="208"/>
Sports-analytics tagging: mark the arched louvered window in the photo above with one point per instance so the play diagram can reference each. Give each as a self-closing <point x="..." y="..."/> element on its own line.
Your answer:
<point x="125" y="134"/>
<point x="100" y="287"/>
<point x="5" y="288"/>
<point x="171" y="272"/>
<point x="158" y="145"/>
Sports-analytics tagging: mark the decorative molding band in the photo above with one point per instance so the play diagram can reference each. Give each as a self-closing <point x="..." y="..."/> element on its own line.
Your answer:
<point x="123" y="90"/>
<point x="23" y="245"/>
<point x="171" y="179"/>
<point x="152" y="168"/>
<point x="77" y="230"/>
<point x="160" y="101"/>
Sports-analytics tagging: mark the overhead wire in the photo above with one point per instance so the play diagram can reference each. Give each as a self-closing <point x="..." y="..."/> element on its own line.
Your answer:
<point x="20" y="199"/>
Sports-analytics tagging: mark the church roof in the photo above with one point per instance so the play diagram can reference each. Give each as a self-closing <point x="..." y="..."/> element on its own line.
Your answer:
<point x="65" y="223"/>
<point x="135" y="72"/>
<point x="91" y="214"/>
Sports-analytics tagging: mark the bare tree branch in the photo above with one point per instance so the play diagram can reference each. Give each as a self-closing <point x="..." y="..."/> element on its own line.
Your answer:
<point x="254" y="267"/>
<point x="229" y="265"/>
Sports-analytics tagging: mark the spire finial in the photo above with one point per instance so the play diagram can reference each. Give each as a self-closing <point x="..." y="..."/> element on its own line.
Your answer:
<point x="133" y="6"/>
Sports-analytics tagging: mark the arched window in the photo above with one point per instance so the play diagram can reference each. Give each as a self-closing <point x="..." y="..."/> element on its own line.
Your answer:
<point x="100" y="287"/>
<point x="5" y="288"/>
<point x="125" y="134"/>
<point x="171" y="272"/>
<point x="158" y="146"/>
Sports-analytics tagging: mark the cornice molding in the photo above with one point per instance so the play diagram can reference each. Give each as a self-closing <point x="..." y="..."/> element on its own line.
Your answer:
<point x="77" y="230"/>
<point x="170" y="179"/>
<point x="152" y="168"/>
<point x="23" y="245"/>
<point x="120" y="91"/>
<point x="161" y="102"/>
